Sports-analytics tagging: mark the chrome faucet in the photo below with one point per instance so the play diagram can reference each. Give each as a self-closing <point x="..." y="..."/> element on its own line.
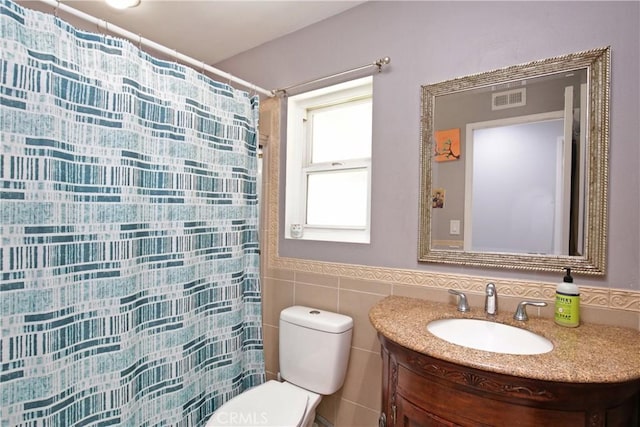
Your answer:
<point x="491" y="299"/>
<point x="463" y="305"/>
<point x="521" y="311"/>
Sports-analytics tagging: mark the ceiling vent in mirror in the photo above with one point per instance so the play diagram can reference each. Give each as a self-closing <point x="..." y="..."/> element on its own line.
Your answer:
<point x="509" y="99"/>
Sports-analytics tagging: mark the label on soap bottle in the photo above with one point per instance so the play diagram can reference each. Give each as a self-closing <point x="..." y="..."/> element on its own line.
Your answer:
<point x="567" y="310"/>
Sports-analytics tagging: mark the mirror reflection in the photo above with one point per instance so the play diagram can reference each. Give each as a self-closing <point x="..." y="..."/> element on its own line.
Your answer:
<point x="507" y="158"/>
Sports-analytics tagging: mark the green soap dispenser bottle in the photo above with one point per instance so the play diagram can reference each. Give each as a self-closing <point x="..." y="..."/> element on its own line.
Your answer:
<point x="567" y="302"/>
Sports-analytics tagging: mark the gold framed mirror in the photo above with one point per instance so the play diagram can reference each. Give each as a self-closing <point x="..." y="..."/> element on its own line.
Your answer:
<point x="514" y="166"/>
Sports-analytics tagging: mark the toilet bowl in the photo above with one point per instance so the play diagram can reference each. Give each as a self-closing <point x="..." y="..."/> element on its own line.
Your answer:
<point x="314" y="352"/>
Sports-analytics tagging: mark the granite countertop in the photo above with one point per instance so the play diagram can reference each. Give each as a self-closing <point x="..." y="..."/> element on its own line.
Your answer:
<point x="589" y="353"/>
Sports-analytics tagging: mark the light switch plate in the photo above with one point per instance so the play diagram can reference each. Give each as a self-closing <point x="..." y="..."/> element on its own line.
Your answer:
<point x="454" y="227"/>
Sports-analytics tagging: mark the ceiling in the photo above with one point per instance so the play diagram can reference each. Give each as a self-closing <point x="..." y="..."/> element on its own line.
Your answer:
<point x="207" y="30"/>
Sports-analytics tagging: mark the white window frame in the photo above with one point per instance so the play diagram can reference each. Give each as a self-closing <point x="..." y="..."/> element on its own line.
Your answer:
<point x="298" y="141"/>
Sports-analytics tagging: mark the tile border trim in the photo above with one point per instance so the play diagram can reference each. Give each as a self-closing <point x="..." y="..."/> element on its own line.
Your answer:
<point x="618" y="299"/>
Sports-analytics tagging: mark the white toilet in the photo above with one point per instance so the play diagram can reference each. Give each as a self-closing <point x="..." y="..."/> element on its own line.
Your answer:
<point x="314" y="352"/>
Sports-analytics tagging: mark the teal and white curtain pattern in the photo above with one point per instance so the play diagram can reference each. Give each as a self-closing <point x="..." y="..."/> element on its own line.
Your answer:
<point x="129" y="290"/>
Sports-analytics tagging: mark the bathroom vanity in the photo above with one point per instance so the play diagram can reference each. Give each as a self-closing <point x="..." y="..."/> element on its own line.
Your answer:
<point x="590" y="378"/>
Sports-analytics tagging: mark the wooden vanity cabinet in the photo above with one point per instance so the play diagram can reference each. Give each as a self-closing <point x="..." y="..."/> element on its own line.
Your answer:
<point x="422" y="391"/>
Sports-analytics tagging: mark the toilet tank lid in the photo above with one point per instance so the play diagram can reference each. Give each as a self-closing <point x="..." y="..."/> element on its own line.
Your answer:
<point x="317" y="319"/>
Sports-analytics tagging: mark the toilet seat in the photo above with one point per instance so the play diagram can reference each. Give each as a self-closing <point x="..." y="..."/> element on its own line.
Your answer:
<point x="272" y="404"/>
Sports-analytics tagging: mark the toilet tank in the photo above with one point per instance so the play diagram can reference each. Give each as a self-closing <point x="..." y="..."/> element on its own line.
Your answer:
<point x="314" y="348"/>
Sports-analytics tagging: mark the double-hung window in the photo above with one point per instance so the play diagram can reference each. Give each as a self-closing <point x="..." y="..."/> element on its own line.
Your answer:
<point x="328" y="182"/>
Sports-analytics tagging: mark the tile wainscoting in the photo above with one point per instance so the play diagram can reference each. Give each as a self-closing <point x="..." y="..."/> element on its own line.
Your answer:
<point x="353" y="290"/>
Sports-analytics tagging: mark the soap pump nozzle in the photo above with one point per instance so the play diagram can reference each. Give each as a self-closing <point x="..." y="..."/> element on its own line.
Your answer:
<point x="567" y="277"/>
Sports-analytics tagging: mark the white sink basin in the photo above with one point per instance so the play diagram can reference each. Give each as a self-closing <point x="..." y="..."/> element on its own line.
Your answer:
<point x="489" y="336"/>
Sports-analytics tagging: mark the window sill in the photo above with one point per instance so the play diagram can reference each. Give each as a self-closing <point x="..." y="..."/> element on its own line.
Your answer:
<point x="332" y="235"/>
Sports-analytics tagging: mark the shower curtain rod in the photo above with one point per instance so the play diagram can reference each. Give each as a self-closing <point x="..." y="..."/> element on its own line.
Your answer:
<point x="151" y="44"/>
<point x="379" y="63"/>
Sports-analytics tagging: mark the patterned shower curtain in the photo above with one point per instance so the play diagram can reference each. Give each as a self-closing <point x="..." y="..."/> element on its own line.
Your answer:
<point x="129" y="290"/>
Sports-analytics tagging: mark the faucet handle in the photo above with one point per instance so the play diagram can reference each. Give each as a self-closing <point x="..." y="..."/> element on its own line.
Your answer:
<point x="521" y="311"/>
<point x="463" y="305"/>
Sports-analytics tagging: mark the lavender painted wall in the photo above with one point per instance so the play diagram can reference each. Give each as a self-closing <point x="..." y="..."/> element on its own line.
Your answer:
<point x="433" y="41"/>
